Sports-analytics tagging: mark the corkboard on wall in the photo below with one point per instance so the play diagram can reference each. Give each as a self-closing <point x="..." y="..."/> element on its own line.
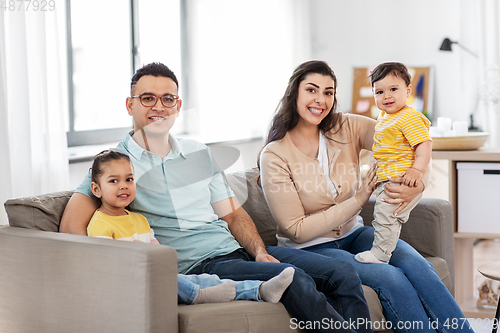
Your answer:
<point x="420" y="99"/>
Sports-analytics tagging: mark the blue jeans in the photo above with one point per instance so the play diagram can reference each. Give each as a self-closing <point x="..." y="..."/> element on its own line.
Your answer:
<point x="189" y="285"/>
<point x="324" y="291"/>
<point x="409" y="288"/>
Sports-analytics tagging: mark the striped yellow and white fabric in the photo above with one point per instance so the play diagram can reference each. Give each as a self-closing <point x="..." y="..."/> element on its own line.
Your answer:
<point x="395" y="139"/>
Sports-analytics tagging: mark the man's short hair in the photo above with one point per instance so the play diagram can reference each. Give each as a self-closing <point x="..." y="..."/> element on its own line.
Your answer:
<point x="156" y="69"/>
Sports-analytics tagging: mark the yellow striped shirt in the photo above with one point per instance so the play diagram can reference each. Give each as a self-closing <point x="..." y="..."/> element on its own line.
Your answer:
<point x="395" y="139"/>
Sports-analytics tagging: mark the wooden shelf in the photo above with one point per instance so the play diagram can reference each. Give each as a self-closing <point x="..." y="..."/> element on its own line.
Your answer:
<point x="476" y="235"/>
<point x="482" y="154"/>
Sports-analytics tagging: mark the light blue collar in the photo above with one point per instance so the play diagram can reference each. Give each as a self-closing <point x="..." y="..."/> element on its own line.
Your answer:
<point x="137" y="151"/>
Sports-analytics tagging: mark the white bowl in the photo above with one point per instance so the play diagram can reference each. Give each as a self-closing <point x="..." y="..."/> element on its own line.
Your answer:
<point x="471" y="141"/>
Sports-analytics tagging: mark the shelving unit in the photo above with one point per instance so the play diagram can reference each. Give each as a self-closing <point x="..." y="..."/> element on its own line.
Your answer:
<point x="464" y="242"/>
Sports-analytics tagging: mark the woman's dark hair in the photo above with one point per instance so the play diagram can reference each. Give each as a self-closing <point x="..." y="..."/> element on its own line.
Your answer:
<point x="156" y="69"/>
<point x="390" y="68"/>
<point x="104" y="157"/>
<point x="287" y="116"/>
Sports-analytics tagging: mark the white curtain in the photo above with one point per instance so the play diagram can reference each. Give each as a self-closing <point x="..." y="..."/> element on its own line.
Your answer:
<point x="33" y="103"/>
<point x="489" y="17"/>
<point x="481" y="32"/>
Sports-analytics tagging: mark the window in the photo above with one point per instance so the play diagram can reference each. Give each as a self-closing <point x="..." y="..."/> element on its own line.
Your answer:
<point x="241" y="55"/>
<point x="236" y="60"/>
<point x="158" y="28"/>
<point x="100" y="62"/>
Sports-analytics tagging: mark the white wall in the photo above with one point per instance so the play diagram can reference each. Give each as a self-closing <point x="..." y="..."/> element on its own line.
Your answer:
<point x="365" y="33"/>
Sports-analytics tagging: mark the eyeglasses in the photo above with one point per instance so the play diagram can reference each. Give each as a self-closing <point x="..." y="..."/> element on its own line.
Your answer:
<point x="149" y="100"/>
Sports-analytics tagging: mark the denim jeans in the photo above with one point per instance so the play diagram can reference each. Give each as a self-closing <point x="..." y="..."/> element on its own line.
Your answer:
<point x="325" y="292"/>
<point x="189" y="285"/>
<point x="409" y="288"/>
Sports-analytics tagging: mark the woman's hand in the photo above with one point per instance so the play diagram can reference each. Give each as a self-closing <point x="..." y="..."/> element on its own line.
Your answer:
<point x="402" y="194"/>
<point x="368" y="186"/>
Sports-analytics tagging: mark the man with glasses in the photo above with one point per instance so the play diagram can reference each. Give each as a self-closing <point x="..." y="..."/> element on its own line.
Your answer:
<point x="190" y="207"/>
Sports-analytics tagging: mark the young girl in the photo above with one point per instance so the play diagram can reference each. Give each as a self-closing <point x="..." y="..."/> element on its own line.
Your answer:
<point x="113" y="184"/>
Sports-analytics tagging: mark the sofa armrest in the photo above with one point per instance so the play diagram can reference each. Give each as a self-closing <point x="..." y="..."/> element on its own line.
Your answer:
<point x="429" y="229"/>
<point x="53" y="282"/>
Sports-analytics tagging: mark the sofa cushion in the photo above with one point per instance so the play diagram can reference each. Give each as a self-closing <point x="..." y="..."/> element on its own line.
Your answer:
<point x="441" y="267"/>
<point x="250" y="196"/>
<point x="42" y="212"/>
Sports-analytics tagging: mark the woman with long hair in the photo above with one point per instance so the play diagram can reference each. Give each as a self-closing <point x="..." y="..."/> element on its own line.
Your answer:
<point x="310" y="175"/>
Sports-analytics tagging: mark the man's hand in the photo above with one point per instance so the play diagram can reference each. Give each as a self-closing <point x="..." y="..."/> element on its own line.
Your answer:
<point x="264" y="257"/>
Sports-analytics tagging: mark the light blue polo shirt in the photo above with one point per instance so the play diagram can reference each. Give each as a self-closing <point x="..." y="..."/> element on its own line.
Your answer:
<point x="175" y="195"/>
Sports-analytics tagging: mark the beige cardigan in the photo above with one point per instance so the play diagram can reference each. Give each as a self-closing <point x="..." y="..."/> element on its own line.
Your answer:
<point x="296" y="189"/>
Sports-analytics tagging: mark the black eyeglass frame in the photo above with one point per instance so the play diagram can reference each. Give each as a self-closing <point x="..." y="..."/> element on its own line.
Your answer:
<point x="175" y="97"/>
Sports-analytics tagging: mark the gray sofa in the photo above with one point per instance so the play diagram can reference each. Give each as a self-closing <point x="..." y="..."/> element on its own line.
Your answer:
<point x="53" y="282"/>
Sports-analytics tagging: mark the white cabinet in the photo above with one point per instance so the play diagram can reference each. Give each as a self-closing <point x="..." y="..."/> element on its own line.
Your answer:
<point x="478" y="195"/>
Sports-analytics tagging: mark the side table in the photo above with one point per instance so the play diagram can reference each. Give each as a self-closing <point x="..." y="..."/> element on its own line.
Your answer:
<point x="492" y="271"/>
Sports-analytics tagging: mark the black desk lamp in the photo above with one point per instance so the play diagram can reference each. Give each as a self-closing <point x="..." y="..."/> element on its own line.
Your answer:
<point x="446" y="46"/>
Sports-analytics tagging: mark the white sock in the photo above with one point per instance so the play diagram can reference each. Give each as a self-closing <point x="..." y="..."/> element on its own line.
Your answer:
<point x="224" y="292"/>
<point x="272" y="290"/>
<point x="368" y="257"/>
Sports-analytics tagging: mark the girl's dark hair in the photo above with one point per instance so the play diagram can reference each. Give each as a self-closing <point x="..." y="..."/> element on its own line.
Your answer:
<point x="390" y="68"/>
<point x="287" y="116"/>
<point x="103" y="157"/>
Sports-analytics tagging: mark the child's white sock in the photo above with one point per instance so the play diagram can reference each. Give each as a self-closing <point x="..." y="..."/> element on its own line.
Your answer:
<point x="368" y="257"/>
<point x="272" y="290"/>
<point x="224" y="292"/>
